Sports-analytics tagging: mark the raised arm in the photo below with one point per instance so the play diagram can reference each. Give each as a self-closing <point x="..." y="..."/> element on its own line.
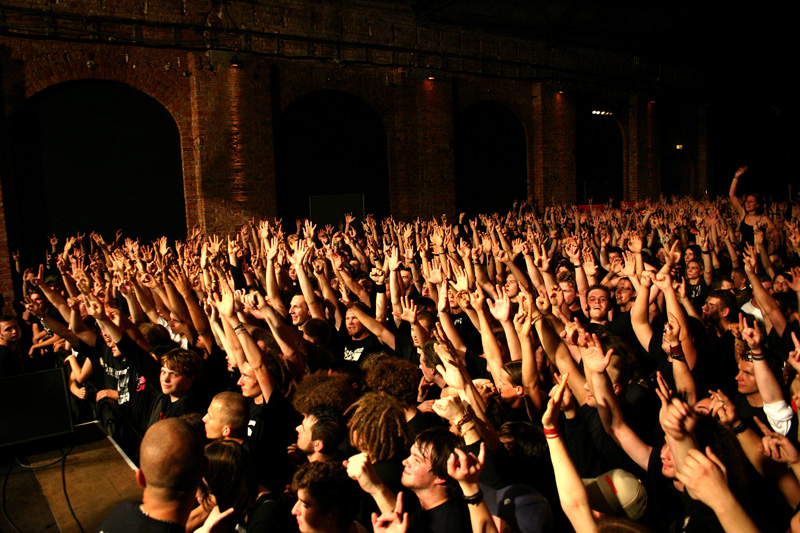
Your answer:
<point x="196" y="313"/>
<point x="705" y="479"/>
<point x="251" y="350"/>
<point x="596" y="362"/>
<point x="298" y="260"/>
<point x="374" y="327"/>
<point x="571" y="490"/>
<point x="466" y="469"/>
<point x="765" y="300"/>
<point x="271" y="247"/>
<point x="735" y="202"/>
<point x="530" y="370"/>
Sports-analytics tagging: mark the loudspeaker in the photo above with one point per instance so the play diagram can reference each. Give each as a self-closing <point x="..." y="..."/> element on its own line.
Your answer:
<point x="34" y="406"/>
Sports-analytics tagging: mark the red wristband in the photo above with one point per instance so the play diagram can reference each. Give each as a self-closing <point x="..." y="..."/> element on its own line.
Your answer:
<point x="551" y="433"/>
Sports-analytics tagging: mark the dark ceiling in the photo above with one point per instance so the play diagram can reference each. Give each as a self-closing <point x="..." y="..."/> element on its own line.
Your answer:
<point x="742" y="57"/>
<point x="737" y="49"/>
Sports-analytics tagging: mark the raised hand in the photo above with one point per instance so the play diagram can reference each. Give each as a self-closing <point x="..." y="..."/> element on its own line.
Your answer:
<point x="594" y="359"/>
<point x="477" y="298"/>
<point x="449" y="408"/>
<point x="450" y="369"/>
<point x="461" y="282"/>
<point x="776" y="446"/>
<point x="677" y="419"/>
<point x="672" y="333"/>
<point x="501" y="307"/>
<point x="703" y="475"/>
<point x="465" y="467"/>
<point x="359" y="468"/>
<point x="395" y="521"/>
<point x="225" y="302"/>
<point x="635" y="242"/>
<point x="752" y="336"/>
<point x="722" y="408"/>
<point x="309" y="229"/>
<point x="409" y="312"/>
<point x="550" y="416"/>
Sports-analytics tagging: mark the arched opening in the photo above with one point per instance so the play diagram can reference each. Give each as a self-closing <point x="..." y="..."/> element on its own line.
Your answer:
<point x="678" y="173"/>
<point x="598" y="157"/>
<point x="92" y="155"/>
<point x="490" y="159"/>
<point x="330" y="159"/>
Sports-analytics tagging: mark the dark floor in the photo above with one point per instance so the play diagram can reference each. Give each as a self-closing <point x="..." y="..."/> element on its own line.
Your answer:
<point x="97" y="476"/>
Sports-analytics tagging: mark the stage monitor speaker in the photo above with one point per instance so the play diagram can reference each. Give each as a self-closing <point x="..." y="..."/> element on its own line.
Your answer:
<point x="34" y="406"/>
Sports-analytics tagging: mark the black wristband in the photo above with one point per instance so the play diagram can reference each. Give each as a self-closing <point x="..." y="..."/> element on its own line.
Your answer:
<point x="380" y="288"/>
<point x="475" y="499"/>
<point x="738" y="430"/>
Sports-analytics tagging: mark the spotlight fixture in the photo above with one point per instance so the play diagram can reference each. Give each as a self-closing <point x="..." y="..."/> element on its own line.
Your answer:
<point x="431" y="76"/>
<point x="679" y="147"/>
<point x="602" y="112"/>
<point x="235" y="62"/>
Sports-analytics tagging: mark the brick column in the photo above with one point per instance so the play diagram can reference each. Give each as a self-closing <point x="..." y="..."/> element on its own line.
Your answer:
<point x="421" y="156"/>
<point x="234" y="170"/>
<point x="554" y="172"/>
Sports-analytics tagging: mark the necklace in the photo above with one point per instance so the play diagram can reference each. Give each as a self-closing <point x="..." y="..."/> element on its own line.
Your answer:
<point x="141" y="509"/>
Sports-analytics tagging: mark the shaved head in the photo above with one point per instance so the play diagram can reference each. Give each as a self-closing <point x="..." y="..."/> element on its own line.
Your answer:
<point x="171" y="459"/>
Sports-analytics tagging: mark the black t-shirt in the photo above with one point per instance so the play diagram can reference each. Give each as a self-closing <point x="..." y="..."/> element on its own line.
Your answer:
<point x="357" y="350"/>
<point x="144" y="387"/>
<point x="697" y="294"/>
<point x="419" y="423"/>
<point x="271" y="430"/>
<point x="469" y="333"/>
<point x="450" y="517"/>
<point x="404" y="343"/>
<point x="390" y="472"/>
<point x="593" y="450"/>
<point x="722" y="359"/>
<point x="127" y="517"/>
<point x="271" y="512"/>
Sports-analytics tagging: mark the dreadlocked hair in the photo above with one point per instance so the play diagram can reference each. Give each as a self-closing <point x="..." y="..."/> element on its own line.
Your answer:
<point x="378" y="427"/>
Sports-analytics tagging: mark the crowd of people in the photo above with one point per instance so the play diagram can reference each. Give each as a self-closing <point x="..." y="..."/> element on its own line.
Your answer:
<point x="539" y="370"/>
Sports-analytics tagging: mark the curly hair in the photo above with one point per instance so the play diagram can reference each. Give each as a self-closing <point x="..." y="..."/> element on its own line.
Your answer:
<point x="396" y="377"/>
<point x="320" y="388"/>
<point x="378" y="426"/>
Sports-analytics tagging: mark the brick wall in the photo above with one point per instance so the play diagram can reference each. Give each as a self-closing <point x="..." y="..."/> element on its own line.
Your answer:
<point x="179" y="52"/>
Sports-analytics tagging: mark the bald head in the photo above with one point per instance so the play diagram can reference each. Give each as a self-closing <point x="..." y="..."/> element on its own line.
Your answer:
<point x="171" y="459"/>
<point x="227" y="416"/>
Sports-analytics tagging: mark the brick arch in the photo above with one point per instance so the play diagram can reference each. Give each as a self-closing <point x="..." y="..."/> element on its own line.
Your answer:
<point x="369" y="90"/>
<point x="477" y="128"/>
<point x="50" y="69"/>
<point x="144" y="70"/>
<point x="370" y="140"/>
<point x="515" y="96"/>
